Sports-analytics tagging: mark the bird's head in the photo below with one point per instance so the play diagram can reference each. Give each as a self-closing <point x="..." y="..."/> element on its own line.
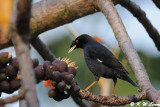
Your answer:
<point x="80" y="42"/>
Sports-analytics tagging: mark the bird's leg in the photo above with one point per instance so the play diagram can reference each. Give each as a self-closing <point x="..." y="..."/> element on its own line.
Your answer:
<point x="113" y="93"/>
<point x="91" y="85"/>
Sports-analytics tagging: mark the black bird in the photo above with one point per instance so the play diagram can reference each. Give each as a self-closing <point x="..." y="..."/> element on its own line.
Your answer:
<point x="100" y="61"/>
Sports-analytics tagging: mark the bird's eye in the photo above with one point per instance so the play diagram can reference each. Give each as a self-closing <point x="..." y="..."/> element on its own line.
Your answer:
<point x="76" y="41"/>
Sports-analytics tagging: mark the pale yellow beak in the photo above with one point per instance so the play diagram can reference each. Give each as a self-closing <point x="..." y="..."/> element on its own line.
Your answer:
<point x="70" y="50"/>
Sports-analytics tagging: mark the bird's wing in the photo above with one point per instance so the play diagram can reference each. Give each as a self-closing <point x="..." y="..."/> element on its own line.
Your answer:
<point x="104" y="56"/>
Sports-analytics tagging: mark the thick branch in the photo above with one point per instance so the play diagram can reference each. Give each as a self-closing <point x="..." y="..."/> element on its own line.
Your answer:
<point x="23" y="19"/>
<point x="157" y="3"/>
<point x="125" y="44"/>
<point x="141" y="16"/>
<point x="11" y="99"/>
<point x="48" y="14"/>
<point x="112" y="100"/>
<point x="26" y="71"/>
<point x="42" y="49"/>
<point x="21" y="45"/>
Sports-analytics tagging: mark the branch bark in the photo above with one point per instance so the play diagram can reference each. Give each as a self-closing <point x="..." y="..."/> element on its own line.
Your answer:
<point x="11" y="99"/>
<point x="141" y="16"/>
<point x="26" y="71"/>
<point x="125" y="44"/>
<point x="112" y="100"/>
<point x="21" y="45"/>
<point x="48" y="14"/>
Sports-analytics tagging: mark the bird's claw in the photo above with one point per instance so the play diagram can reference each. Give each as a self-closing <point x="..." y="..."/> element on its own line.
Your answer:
<point x="114" y="95"/>
<point x="86" y="89"/>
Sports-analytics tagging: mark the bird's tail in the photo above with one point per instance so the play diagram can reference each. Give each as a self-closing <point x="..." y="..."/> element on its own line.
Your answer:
<point x="130" y="81"/>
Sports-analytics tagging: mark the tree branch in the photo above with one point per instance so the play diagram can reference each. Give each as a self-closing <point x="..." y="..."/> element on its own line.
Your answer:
<point x="125" y="44"/>
<point x="141" y="16"/>
<point x="61" y="12"/>
<point x="26" y="71"/>
<point x="21" y="45"/>
<point x="112" y="100"/>
<point x="11" y="99"/>
<point x="80" y="102"/>
<point x="23" y="19"/>
<point x="43" y="49"/>
<point x="157" y="3"/>
<point x="48" y="14"/>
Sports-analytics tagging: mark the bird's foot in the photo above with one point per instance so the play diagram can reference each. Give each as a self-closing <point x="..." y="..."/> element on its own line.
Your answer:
<point x="86" y="89"/>
<point x="114" y="95"/>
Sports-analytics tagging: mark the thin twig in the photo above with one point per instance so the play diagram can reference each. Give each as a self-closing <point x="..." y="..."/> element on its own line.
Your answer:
<point x="42" y="49"/>
<point x="11" y="99"/>
<point x="70" y="29"/>
<point x="125" y="44"/>
<point x="141" y="16"/>
<point x="112" y="100"/>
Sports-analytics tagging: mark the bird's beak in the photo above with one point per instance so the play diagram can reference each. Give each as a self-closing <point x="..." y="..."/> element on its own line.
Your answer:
<point x="72" y="48"/>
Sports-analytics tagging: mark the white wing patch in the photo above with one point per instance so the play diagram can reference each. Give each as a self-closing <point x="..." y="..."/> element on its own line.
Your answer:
<point x="99" y="60"/>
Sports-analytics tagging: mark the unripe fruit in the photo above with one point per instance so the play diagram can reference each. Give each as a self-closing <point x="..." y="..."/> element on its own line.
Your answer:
<point x="51" y="93"/>
<point x="63" y="66"/>
<point x="60" y="96"/>
<point x="11" y="72"/>
<point x="74" y="89"/>
<point x="68" y="78"/>
<point x="39" y="73"/>
<point x="49" y="71"/>
<point x="64" y="74"/>
<point x="56" y="62"/>
<point x="35" y="62"/>
<point x="46" y="64"/>
<point x="5" y="58"/>
<point x="15" y="64"/>
<point x="4" y="86"/>
<point x="15" y="84"/>
<point x="2" y="76"/>
<point x="2" y="70"/>
<point x="72" y="70"/>
<point x="61" y="86"/>
<point x="56" y="76"/>
<point x="60" y="65"/>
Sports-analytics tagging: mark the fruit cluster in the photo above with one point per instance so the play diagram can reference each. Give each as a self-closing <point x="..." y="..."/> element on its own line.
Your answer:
<point x="9" y="81"/>
<point x="58" y="75"/>
<point x="61" y="77"/>
<point x="8" y="73"/>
